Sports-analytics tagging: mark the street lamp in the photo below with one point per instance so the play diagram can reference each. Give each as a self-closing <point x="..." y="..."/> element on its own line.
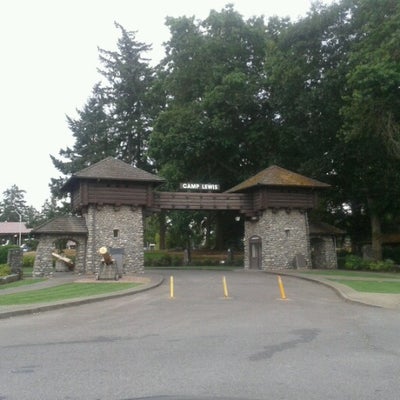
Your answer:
<point x="20" y="227"/>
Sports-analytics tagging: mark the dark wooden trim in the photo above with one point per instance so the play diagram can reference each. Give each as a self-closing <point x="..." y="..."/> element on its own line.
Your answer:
<point x="135" y="194"/>
<point x="201" y="201"/>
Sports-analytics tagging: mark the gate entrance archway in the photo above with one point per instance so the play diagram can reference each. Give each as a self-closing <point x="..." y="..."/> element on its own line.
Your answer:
<point x="111" y="198"/>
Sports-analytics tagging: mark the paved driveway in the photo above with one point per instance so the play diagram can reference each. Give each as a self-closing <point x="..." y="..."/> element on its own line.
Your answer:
<point x="251" y="345"/>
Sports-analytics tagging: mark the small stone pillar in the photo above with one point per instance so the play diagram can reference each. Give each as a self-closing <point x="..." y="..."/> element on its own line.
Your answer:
<point x="14" y="260"/>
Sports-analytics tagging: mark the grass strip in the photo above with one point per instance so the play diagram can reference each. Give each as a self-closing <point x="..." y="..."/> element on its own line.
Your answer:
<point x="21" y="282"/>
<point x="357" y="274"/>
<point x="64" y="292"/>
<point x="372" y="286"/>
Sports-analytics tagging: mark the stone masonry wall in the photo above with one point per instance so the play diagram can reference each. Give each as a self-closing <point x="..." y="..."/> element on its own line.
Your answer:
<point x="14" y="260"/>
<point x="43" y="266"/>
<point x="324" y="252"/>
<point x="115" y="227"/>
<point x="284" y="234"/>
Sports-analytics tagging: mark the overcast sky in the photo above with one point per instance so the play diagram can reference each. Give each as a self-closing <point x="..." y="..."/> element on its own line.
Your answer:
<point x="49" y="65"/>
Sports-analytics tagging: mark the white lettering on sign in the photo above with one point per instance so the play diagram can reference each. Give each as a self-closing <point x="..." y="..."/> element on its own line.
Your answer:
<point x="199" y="186"/>
<point x="209" y="186"/>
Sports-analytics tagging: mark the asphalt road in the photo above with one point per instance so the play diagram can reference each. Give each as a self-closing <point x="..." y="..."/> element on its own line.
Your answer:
<point x="201" y="344"/>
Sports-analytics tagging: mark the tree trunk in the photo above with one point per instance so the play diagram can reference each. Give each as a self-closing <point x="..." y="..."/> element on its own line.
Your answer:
<point x="163" y="229"/>
<point x="376" y="232"/>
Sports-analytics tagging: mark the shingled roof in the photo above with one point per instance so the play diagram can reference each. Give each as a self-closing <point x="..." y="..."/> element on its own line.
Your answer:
<point x="322" y="228"/>
<point x="63" y="225"/>
<point x="113" y="169"/>
<point x="8" y="228"/>
<point x="277" y="176"/>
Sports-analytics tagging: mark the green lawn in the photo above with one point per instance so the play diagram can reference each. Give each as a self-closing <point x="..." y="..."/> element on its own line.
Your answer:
<point x="389" y="287"/>
<point x="363" y="281"/>
<point x="356" y="274"/>
<point x="22" y="282"/>
<point x="63" y="292"/>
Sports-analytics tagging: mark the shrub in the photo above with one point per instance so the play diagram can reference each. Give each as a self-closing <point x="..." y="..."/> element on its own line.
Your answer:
<point x="159" y="259"/>
<point x="354" y="263"/>
<point x="392" y="253"/>
<point x="4" y="252"/>
<point x="176" y="261"/>
<point x="28" y="260"/>
<point x="382" y="266"/>
<point x="5" y="270"/>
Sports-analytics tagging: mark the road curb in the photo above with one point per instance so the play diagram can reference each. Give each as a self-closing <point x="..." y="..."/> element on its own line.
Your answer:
<point x="12" y="311"/>
<point x="343" y="291"/>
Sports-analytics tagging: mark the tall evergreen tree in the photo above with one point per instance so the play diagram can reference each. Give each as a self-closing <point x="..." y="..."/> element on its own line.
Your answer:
<point x="129" y="79"/>
<point x="117" y="118"/>
<point x="13" y="205"/>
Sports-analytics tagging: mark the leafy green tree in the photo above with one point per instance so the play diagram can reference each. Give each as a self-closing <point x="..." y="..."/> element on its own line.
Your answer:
<point x="333" y="83"/>
<point x="372" y="112"/>
<point x="306" y="71"/>
<point x="214" y="126"/>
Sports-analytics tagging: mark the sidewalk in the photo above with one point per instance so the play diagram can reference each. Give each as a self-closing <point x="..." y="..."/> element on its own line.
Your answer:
<point x="148" y="280"/>
<point x="383" y="300"/>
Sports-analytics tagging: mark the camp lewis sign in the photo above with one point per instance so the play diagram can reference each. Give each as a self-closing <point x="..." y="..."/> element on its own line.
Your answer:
<point x="214" y="187"/>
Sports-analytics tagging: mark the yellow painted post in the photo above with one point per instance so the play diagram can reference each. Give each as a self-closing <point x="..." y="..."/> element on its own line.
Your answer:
<point x="225" y="286"/>
<point x="281" y="288"/>
<point x="171" y="287"/>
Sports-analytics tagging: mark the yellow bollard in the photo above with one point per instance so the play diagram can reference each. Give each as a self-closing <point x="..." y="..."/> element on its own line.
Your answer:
<point x="225" y="286"/>
<point x="171" y="287"/>
<point x="281" y="288"/>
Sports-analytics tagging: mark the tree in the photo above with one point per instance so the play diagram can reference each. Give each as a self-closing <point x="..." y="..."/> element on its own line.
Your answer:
<point x="13" y="205"/>
<point x="93" y="140"/>
<point x="129" y="79"/>
<point x="214" y="126"/>
<point x="333" y="81"/>
<point x="372" y="111"/>
<point x="305" y="71"/>
<point x="91" y="131"/>
<point x="116" y="119"/>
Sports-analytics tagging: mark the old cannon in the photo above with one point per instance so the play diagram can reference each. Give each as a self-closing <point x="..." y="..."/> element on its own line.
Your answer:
<point x="110" y="268"/>
<point x="63" y="263"/>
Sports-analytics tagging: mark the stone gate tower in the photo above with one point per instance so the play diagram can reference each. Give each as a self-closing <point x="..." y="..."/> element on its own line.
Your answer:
<point x="111" y="196"/>
<point x="277" y="233"/>
<point x="108" y="198"/>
